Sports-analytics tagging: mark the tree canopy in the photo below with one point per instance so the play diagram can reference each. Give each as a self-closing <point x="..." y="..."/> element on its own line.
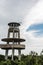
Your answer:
<point x="32" y="59"/>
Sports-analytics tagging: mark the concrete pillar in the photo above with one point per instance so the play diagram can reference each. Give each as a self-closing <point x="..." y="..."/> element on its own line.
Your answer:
<point x="12" y="54"/>
<point x="12" y="48"/>
<point x="16" y="37"/>
<point x="19" y="34"/>
<point x="19" y="51"/>
<point x="19" y="54"/>
<point x="6" y="53"/>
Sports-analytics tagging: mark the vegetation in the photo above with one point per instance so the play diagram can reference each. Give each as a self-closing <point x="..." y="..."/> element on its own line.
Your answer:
<point x="32" y="59"/>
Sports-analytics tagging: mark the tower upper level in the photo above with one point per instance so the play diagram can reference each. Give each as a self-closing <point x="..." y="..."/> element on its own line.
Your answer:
<point x="14" y="24"/>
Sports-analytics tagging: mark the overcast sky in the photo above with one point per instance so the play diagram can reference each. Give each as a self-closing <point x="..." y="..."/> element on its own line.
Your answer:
<point x="30" y="13"/>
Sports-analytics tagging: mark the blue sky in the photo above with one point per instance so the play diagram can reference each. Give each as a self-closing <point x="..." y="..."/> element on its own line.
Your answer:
<point x="30" y="13"/>
<point x="38" y="28"/>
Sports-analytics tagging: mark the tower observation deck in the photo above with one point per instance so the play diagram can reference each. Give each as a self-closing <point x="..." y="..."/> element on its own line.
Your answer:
<point x="15" y="40"/>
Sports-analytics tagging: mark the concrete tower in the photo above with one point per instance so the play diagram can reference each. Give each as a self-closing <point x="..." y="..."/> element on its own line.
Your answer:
<point x="14" y="29"/>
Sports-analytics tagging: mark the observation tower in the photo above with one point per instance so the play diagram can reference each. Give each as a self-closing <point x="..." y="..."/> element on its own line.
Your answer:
<point x="15" y="40"/>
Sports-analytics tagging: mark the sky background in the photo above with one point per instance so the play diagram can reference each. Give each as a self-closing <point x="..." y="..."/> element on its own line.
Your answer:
<point x="30" y="14"/>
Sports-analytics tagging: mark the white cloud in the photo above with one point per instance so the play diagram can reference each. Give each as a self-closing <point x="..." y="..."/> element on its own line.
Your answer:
<point x="33" y="43"/>
<point x="35" y="16"/>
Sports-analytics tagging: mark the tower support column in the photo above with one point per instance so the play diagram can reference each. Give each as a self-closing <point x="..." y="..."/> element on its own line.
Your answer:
<point x="19" y="52"/>
<point x="12" y="48"/>
<point x="6" y="53"/>
<point x="12" y="54"/>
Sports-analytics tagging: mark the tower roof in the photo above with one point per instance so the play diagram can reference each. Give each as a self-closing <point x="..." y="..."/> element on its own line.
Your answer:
<point x="15" y="24"/>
